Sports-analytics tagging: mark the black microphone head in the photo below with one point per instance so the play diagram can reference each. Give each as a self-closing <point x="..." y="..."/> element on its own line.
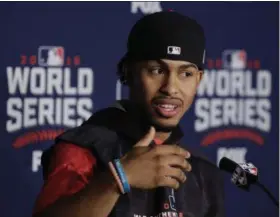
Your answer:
<point x="243" y="174"/>
<point x="227" y="165"/>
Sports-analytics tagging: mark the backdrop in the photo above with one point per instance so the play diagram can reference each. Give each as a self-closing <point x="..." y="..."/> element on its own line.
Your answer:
<point x="58" y="64"/>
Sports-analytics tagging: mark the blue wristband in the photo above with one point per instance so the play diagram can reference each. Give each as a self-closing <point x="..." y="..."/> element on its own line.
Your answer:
<point x="121" y="173"/>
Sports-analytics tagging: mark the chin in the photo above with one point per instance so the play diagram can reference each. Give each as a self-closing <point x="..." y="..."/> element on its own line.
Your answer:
<point x="164" y="125"/>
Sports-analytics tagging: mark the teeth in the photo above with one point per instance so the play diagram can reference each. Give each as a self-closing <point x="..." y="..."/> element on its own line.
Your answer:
<point x="167" y="106"/>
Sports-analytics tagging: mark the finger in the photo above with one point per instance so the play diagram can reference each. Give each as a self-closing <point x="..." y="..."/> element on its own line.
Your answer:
<point x="147" y="139"/>
<point x="165" y="181"/>
<point x="175" y="161"/>
<point x="175" y="173"/>
<point x="171" y="149"/>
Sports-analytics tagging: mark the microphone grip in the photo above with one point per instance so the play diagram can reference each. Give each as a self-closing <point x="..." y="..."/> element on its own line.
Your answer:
<point x="261" y="186"/>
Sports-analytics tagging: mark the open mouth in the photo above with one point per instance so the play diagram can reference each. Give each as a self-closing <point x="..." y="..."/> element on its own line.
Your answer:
<point x="166" y="110"/>
<point x="168" y="107"/>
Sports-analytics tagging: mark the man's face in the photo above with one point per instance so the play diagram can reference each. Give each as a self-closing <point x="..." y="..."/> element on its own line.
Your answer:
<point x="166" y="89"/>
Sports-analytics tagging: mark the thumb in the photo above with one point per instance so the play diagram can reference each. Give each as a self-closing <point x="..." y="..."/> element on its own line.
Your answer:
<point x="147" y="139"/>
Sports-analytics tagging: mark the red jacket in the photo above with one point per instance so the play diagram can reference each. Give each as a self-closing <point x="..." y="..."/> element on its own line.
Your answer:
<point x="71" y="166"/>
<point x="70" y="169"/>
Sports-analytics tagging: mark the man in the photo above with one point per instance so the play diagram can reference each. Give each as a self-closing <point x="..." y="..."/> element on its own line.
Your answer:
<point x="162" y="68"/>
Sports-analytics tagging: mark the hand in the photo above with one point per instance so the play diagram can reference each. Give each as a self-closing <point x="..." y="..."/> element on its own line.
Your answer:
<point x="150" y="167"/>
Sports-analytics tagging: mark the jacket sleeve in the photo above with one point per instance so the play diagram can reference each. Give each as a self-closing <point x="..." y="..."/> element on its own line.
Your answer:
<point x="69" y="170"/>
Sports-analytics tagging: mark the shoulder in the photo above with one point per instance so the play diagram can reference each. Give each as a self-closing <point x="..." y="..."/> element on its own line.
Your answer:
<point x="67" y="155"/>
<point x="66" y="172"/>
<point x="71" y="153"/>
<point x="85" y="143"/>
<point x="87" y="134"/>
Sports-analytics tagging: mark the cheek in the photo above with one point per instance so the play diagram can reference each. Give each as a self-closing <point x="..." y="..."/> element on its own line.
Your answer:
<point x="145" y="89"/>
<point x="188" y="92"/>
<point x="150" y="88"/>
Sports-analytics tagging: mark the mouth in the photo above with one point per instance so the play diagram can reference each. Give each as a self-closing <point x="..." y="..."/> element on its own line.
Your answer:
<point x="167" y="109"/>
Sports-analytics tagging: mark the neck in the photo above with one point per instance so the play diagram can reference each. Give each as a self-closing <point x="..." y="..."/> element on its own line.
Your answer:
<point x="162" y="135"/>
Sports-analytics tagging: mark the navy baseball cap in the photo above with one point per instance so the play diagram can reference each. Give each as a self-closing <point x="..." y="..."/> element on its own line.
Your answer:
<point x="167" y="35"/>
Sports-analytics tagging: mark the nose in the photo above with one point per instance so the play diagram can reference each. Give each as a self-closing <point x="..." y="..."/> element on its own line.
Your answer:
<point x="170" y="85"/>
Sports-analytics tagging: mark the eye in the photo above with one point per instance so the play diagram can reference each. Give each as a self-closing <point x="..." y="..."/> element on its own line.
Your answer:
<point x="156" y="71"/>
<point x="186" y="74"/>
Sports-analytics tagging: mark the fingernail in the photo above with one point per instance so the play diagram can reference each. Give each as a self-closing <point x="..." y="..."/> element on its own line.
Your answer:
<point x="188" y="155"/>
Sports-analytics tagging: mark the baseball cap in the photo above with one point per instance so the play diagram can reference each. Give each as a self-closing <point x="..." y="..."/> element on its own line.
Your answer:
<point x="167" y="35"/>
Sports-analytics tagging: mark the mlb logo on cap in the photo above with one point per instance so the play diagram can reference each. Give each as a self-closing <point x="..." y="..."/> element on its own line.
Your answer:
<point x="51" y="56"/>
<point x="173" y="50"/>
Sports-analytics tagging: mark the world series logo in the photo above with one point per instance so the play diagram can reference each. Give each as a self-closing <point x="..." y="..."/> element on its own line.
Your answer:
<point x="43" y="98"/>
<point x="233" y="102"/>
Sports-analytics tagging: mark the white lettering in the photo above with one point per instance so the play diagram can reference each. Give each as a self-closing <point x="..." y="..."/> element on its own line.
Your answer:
<point x="69" y="112"/>
<point x="37" y="81"/>
<point x="54" y="84"/>
<point x="36" y="160"/>
<point x="240" y="112"/>
<point x="229" y="108"/>
<point x="250" y="111"/>
<point x="84" y="109"/>
<point x="46" y="108"/>
<point x="237" y="83"/>
<point x="264" y="83"/>
<point x="145" y="7"/>
<point x="13" y="111"/>
<point x="207" y="84"/>
<point x="264" y="120"/>
<point x="31" y="112"/>
<point x="216" y="112"/>
<point x="17" y="79"/>
<point x="50" y="81"/>
<point x="236" y="154"/>
<point x="249" y="90"/>
<point x="223" y="85"/>
<point x="202" y="113"/>
<point x="58" y="111"/>
<point x="69" y="90"/>
<point x="85" y="81"/>
<point x="29" y="116"/>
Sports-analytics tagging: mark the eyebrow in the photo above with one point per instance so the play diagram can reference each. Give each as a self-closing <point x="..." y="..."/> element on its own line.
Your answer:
<point x="188" y="66"/>
<point x="184" y="66"/>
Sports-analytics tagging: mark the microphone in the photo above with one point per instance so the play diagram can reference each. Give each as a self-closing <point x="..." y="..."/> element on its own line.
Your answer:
<point x="243" y="175"/>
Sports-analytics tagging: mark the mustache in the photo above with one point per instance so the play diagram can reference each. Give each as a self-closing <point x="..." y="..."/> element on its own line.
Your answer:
<point x="167" y="98"/>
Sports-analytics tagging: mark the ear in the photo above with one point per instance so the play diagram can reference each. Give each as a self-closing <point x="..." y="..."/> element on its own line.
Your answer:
<point x="127" y="70"/>
<point x="132" y="72"/>
<point x="199" y="76"/>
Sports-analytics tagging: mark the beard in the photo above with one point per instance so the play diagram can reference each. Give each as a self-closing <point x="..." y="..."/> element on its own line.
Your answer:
<point x="161" y="127"/>
<point x="165" y="129"/>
